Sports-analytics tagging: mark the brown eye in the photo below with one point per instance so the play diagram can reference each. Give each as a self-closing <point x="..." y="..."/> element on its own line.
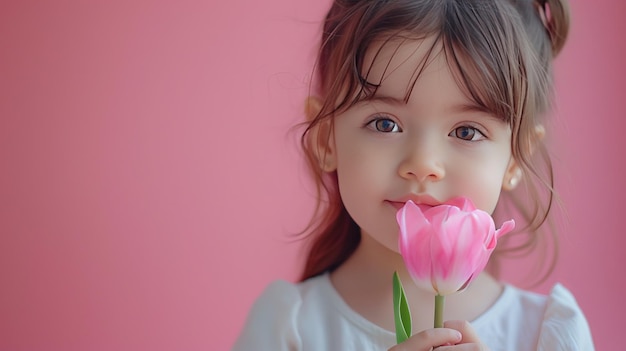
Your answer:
<point x="385" y="125"/>
<point x="467" y="133"/>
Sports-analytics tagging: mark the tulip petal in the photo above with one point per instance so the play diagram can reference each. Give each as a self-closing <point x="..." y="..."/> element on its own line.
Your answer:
<point x="505" y="228"/>
<point x="463" y="203"/>
<point x="414" y="243"/>
<point x="459" y="253"/>
<point x="446" y="246"/>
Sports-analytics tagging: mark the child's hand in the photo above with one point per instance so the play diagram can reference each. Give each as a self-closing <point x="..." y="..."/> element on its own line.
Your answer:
<point x="455" y="335"/>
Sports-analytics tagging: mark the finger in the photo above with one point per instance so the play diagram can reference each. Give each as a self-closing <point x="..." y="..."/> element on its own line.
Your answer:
<point x="428" y="339"/>
<point x="463" y="347"/>
<point x="466" y="330"/>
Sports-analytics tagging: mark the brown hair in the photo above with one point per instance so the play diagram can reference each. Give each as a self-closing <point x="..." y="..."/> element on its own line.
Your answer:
<point x="503" y="53"/>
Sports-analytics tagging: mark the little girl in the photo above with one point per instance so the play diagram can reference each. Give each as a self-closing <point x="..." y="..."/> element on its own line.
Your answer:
<point x="422" y="100"/>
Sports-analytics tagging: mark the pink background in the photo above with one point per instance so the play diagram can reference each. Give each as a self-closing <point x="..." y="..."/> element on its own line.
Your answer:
<point x="149" y="182"/>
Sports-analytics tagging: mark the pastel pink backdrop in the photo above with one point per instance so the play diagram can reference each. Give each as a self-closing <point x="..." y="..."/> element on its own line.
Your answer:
<point x="149" y="183"/>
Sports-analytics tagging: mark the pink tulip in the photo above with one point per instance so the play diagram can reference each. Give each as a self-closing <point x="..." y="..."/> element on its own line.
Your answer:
<point x="446" y="246"/>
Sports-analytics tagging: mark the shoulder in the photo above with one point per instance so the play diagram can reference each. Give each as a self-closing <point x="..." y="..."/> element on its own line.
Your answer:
<point x="564" y="325"/>
<point x="524" y="320"/>
<point x="272" y="322"/>
<point x="278" y="296"/>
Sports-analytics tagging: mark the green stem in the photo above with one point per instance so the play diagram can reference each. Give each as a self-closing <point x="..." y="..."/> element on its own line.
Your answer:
<point x="439" y="311"/>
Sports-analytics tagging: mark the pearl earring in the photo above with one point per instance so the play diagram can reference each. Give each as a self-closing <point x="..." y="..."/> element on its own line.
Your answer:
<point x="515" y="178"/>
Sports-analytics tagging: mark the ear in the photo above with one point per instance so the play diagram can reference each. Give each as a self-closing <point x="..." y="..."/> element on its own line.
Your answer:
<point x="321" y="137"/>
<point x="514" y="173"/>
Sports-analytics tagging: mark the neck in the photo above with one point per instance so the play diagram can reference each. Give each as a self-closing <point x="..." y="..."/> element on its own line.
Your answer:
<point x="371" y="266"/>
<point x="365" y="283"/>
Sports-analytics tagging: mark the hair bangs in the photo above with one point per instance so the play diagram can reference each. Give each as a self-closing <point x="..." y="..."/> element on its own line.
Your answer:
<point x="487" y="64"/>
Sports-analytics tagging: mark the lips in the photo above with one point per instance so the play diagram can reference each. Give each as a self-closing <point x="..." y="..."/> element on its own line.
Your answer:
<point x="423" y="202"/>
<point x="398" y="205"/>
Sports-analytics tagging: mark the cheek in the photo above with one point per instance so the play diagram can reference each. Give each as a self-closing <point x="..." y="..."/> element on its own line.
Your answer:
<point x="360" y="159"/>
<point x="491" y="194"/>
<point x="359" y="179"/>
<point x="482" y="184"/>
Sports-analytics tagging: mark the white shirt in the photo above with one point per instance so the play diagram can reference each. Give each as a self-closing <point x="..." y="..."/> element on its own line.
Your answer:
<point x="312" y="316"/>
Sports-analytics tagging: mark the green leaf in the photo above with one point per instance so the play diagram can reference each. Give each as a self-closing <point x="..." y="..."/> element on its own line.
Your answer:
<point x="401" y="312"/>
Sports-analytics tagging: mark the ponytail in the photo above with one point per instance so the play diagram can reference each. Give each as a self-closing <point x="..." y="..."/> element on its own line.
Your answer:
<point x="555" y="16"/>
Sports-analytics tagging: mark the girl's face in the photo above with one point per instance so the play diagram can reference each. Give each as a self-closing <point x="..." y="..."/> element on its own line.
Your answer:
<point x="437" y="146"/>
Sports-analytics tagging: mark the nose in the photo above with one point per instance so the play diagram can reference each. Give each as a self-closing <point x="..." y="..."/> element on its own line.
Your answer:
<point x="423" y="163"/>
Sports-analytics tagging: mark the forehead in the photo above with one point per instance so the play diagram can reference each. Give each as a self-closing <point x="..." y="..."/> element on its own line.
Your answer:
<point x="388" y="54"/>
<point x="402" y="67"/>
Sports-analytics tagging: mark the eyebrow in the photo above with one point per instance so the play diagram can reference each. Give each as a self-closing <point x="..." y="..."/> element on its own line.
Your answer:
<point x="461" y="108"/>
<point x="458" y="108"/>
<point x="390" y="100"/>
